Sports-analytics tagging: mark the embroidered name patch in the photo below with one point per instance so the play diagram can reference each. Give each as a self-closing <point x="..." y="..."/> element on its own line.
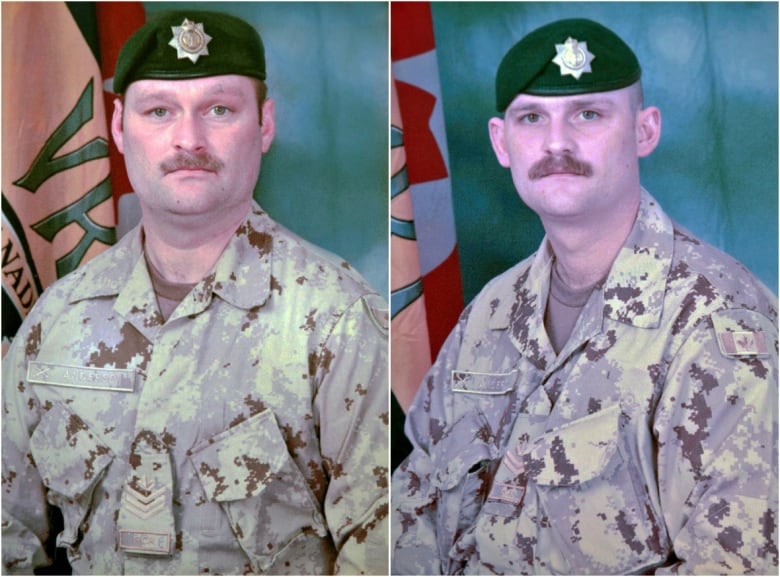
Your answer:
<point x="118" y="380"/>
<point x="483" y="383"/>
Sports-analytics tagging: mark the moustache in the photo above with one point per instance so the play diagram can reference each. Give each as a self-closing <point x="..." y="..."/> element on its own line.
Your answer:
<point x="559" y="164"/>
<point x="186" y="161"/>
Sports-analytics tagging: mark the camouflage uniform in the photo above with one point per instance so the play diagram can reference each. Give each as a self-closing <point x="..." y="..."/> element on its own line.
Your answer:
<point x="248" y="433"/>
<point x="648" y="443"/>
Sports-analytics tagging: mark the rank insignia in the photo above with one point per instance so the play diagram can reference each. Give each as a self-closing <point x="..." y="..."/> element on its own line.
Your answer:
<point x="190" y="40"/>
<point x="145" y="524"/>
<point x="573" y="57"/>
<point x="144" y="501"/>
<point x="513" y="460"/>
<point x="514" y="490"/>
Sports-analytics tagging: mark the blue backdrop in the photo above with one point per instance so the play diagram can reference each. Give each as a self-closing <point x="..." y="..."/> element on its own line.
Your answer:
<point x="326" y="175"/>
<point x="710" y="67"/>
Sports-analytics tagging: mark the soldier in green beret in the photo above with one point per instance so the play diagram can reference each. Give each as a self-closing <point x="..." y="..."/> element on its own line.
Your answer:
<point x="609" y="404"/>
<point x="209" y="395"/>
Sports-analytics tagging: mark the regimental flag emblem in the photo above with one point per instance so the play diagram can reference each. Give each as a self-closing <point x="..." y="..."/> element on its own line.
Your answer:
<point x="57" y="209"/>
<point x="190" y="40"/>
<point x="573" y="57"/>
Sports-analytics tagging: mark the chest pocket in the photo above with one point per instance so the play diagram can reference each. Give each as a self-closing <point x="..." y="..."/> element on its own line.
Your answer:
<point x="271" y="509"/>
<point x="464" y="458"/>
<point x="72" y="461"/>
<point x="594" y="498"/>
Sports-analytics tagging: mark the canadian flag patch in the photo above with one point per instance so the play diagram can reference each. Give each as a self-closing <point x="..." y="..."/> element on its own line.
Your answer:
<point x="743" y="343"/>
<point x="744" y="333"/>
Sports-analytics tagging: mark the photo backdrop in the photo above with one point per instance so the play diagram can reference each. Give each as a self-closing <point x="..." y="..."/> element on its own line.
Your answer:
<point x="710" y="67"/>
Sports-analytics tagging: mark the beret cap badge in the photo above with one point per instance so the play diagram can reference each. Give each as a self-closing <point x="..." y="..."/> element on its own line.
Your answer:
<point x="573" y="57"/>
<point x="190" y="40"/>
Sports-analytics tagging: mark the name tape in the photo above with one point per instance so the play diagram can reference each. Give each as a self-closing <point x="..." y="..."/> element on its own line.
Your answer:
<point x="103" y="379"/>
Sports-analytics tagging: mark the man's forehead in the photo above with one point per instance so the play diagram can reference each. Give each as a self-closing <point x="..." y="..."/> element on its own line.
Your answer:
<point x="609" y="98"/>
<point x="222" y="84"/>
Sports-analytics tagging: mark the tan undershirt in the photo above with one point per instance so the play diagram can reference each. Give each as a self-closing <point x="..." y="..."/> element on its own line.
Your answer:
<point x="563" y="308"/>
<point x="169" y="294"/>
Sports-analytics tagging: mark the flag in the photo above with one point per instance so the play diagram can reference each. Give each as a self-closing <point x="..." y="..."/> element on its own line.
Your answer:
<point x="57" y="203"/>
<point x="426" y="289"/>
<point x="411" y="356"/>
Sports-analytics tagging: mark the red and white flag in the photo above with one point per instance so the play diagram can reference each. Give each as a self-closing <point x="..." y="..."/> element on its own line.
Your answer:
<point x="426" y="289"/>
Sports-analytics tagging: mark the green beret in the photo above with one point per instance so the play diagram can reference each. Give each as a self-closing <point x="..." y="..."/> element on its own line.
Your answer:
<point x="190" y="44"/>
<point x="565" y="57"/>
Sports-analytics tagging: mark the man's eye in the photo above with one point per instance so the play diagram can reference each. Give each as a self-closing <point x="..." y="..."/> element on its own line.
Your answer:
<point x="530" y="118"/>
<point x="589" y="115"/>
<point x="158" y="112"/>
<point x="220" y="110"/>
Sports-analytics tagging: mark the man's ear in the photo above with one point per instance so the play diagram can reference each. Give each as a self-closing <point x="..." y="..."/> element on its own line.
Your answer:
<point x="648" y="130"/>
<point x="268" y="128"/>
<point x="496" y="129"/>
<point x="116" y="125"/>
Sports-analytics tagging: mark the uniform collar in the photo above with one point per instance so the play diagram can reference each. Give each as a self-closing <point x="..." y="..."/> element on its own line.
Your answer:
<point x="241" y="277"/>
<point x="632" y="292"/>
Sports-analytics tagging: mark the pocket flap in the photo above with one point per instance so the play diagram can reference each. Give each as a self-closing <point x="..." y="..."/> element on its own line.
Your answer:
<point x="69" y="456"/>
<point x="451" y="466"/>
<point x="450" y="473"/>
<point x="239" y="462"/>
<point x="577" y="451"/>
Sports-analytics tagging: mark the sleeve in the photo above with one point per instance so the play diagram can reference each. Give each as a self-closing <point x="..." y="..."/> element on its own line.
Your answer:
<point x="415" y="507"/>
<point x="353" y="407"/>
<point x="717" y="447"/>
<point x="25" y="529"/>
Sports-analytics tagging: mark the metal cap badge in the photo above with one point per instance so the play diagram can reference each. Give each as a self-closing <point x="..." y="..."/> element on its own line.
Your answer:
<point x="190" y="40"/>
<point x="573" y="57"/>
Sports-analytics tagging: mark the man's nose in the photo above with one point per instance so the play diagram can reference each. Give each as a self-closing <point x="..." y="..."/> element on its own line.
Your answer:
<point x="560" y="137"/>
<point x="189" y="133"/>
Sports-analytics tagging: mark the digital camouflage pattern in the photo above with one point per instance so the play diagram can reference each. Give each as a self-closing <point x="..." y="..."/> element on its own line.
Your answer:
<point x="648" y="444"/>
<point x="247" y="434"/>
